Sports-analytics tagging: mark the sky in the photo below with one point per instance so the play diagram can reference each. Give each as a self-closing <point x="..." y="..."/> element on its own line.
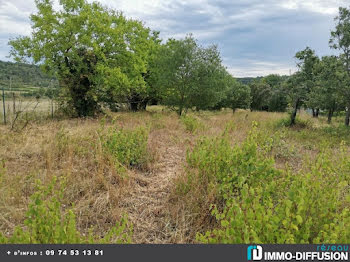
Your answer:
<point x="255" y="37"/>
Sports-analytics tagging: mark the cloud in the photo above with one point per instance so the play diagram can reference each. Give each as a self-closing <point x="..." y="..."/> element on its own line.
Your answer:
<point x="13" y="19"/>
<point x="259" y="68"/>
<point x="329" y="7"/>
<point x="255" y="37"/>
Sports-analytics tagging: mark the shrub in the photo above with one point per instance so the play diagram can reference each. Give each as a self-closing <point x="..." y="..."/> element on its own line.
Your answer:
<point x="308" y="207"/>
<point x="279" y="146"/>
<point x="299" y="123"/>
<point x="191" y="123"/>
<point x="128" y="147"/>
<point x="217" y="171"/>
<point x="216" y="163"/>
<point x="47" y="224"/>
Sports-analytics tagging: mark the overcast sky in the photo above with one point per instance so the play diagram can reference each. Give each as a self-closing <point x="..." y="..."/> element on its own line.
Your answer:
<point x="255" y="37"/>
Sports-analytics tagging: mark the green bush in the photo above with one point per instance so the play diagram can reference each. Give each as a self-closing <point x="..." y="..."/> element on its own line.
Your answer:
<point x="128" y="147"/>
<point x="300" y="123"/>
<point x="191" y="123"/>
<point x="215" y="163"/>
<point x="46" y="223"/>
<point x="279" y="146"/>
<point x="307" y="207"/>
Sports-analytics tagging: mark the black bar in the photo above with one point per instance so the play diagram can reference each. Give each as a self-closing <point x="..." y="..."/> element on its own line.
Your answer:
<point x="165" y="253"/>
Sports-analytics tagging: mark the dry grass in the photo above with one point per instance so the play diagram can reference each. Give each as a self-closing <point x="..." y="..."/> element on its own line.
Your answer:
<point x="100" y="194"/>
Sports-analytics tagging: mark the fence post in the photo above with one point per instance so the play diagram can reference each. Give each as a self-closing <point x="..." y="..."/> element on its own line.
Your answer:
<point x="3" y="104"/>
<point x="14" y="102"/>
<point x="52" y="108"/>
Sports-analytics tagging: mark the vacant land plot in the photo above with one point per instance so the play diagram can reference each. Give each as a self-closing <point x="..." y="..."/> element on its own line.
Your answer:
<point x="184" y="180"/>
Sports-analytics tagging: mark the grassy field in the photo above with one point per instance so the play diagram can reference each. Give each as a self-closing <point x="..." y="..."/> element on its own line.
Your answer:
<point x="26" y="108"/>
<point x="157" y="170"/>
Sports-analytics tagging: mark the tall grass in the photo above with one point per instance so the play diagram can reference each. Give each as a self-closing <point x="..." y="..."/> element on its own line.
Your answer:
<point x="46" y="223"/>
<point x="236" y="184"/>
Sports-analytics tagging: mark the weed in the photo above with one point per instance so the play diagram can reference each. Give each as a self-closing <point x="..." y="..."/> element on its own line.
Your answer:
<point x="47" y="224"/>
<point x="128" y="147"/>
<point x="192" y="124"/>
<point x="216" y="171"/>
<point x="300" y="123"/>
<point x="310" y="207"/>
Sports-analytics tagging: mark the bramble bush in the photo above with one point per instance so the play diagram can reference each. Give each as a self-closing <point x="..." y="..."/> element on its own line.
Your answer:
<point x="255" y="202"/>
<point x="46" y="223"/>
<point x="128" y="147"/>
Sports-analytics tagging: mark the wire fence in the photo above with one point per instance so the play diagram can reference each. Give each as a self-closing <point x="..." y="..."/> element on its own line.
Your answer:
<point x="15" y="107"/>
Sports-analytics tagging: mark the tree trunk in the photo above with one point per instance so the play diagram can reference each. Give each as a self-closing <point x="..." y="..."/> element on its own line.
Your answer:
<point x="3" y="104"/>
<point x="52" y="108"/>
<point x="143" y="105"/>
<point x="317" y="112"/>
<point x="182" y="103"/>
<point x="180" y="111"/>
<point x="330" y="115"/>
<point x="14" y="102"/>
<point x="313" y="112"/>
<point x="134" y="106"/>
<point x="294" y="114"/>
<point x="347" y="117"/>
<point x="84" y="104"/>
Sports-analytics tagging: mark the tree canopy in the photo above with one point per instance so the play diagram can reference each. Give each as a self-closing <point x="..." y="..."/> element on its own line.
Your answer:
<point x="190" y="76"/>
<point x="96" y="53"/>
<point x="340" y="39"/>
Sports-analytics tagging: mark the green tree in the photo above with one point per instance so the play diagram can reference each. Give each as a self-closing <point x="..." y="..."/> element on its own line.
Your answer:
<point x="96" y="53"/>
<point x="211" y="79"/>
<point x="190" y="76"/>
<point x="153" y="94"/>
<point x="301" y="84"/>
<point x="237" y="95"/>
<point x="307" y="61"/>
<point x="297" y="93"/>
<point x="269" y="94"/>
<point x="260" y="93"/>
<point x="330" y="78"/>
<point x="277" y="102"/>
<point x="340" y="39"/>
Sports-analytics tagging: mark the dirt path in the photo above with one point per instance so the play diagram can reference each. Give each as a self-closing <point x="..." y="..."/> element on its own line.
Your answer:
<point x="146" y="203"/>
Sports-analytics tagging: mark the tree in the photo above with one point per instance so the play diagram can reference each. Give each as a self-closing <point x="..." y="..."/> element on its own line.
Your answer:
<point x="277" y="102"/>
<point x="302" y="83"/>
<point x="307" y="61"/>
<point x="211" y="77"/>
<point x="151" y="77"/>
<point x="96" y="53"/>
<point x="260" y="93"/>
<point x="330" y="76"/>
<point x="268" y="94"/>
<point x="237" y="95"/>
<point x="340" y="39"/>
<point x="189" y="75"/>
<point x="297" y="92"/>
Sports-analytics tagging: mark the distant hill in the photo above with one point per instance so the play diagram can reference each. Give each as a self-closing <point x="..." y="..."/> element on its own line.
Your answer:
<point x="22" y="75"/>
<point x="31" y="75"/>
<point x="248" y="80"/>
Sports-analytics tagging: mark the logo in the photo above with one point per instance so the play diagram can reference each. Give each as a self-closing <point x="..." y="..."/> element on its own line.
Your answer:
<point x="254" y="253"/>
